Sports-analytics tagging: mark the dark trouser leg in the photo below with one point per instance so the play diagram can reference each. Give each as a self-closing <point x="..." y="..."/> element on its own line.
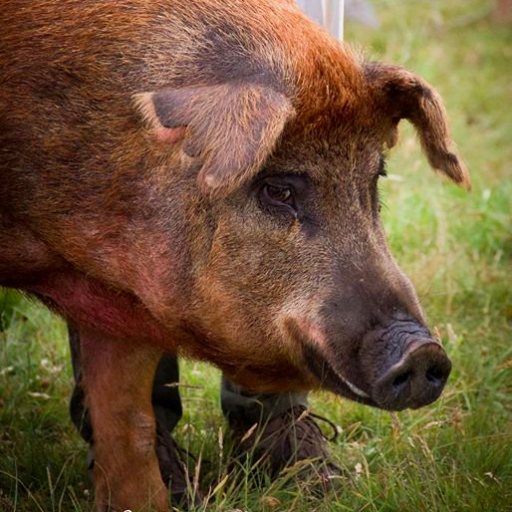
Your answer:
<point x="79" y="414"/>
<point x="244" y="408"/>
<point x="166" y="397"/>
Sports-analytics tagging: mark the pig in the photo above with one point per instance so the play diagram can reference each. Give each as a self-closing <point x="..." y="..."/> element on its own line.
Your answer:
<point x="200" y="177"/>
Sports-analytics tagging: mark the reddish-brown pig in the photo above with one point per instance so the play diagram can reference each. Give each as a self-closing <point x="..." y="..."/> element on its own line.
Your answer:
<point x="201" y="177"/>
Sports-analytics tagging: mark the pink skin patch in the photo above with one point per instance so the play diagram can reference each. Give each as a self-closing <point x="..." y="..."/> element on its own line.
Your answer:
<point x="312" y="332"/>
<point x="89" y="303"/>
<point x="171" y="135"/>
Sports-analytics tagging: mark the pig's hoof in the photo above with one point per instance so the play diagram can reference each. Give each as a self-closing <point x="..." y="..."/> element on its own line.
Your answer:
<point x="294" y="444"/>
<point x="172" y="459"/>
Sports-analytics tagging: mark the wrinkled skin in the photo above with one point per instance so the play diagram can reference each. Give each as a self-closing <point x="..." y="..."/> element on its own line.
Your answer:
<point x="200" y="183"/>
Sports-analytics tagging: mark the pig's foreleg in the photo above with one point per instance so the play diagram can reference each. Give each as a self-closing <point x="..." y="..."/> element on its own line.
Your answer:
<point x="118" y="377"/>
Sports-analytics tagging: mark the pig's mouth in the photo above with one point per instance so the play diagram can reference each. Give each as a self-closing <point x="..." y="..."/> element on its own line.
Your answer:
<point x="332" y="380"/>
<point x="329" y="378"/>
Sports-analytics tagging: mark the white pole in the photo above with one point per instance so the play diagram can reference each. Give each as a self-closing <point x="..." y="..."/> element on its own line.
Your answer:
<point x="315" y="9"/>
<point x="341" y="31"/>
<point x="334" y="17"/>
<point x="329" y="13"/>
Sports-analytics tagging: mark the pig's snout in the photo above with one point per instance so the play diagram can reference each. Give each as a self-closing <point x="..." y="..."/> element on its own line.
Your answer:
<point x="396" y="367"/>
<point x="403" y="365"/>
<point x="417" y="379"/>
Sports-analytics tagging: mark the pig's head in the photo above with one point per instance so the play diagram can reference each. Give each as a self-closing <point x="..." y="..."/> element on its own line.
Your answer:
<point x="292" y="283"/>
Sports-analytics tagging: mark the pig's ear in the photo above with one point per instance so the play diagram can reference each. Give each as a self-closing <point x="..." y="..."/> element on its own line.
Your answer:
<point x="232" y="126"/>
<point x="403" y="95"/>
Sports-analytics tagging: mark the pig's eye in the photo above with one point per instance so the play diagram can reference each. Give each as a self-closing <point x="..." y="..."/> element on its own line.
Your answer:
<point x="283" y="193"/>
<point x="278" y="195"/>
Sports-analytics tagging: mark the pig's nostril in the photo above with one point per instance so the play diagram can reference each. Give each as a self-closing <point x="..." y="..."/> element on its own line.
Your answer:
<point x="401" y="379"/>
<point x="435" y="374"/>
<point x="416" y="380"/>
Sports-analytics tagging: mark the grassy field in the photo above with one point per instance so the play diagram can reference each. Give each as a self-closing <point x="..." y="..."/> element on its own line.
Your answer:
<point x="455" y="455"/>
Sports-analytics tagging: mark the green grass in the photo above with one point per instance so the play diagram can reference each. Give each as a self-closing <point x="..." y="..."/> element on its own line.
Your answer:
<point x="452" y="456"/>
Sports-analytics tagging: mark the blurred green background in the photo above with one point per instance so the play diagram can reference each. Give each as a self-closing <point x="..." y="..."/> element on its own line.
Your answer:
<point x="452" y="456"/>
